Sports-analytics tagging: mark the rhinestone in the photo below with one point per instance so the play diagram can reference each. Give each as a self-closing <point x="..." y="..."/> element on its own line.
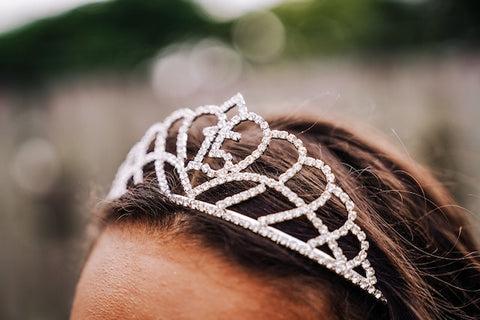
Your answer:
<point x="215" y="135"/>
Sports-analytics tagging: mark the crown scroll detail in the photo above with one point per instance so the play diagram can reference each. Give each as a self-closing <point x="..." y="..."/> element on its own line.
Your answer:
<point x="142" y="154"/>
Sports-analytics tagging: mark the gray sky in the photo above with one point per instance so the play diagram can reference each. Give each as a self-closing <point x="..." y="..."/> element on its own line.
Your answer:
<point x="14" y="13"/>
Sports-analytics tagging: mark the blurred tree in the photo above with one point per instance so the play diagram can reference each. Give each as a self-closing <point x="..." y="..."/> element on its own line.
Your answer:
<point x="120" y="35"/>
<point x="103" y="36"/>
<point x="328" y="26"/>
<point x="333" y="26"/>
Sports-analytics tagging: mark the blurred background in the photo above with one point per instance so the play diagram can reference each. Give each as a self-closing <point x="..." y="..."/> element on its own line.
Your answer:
<point x="81" y="80"/>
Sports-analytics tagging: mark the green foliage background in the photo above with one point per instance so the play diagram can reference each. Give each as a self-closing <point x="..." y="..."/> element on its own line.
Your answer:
<point x="103" y="36"/>
<point x="121" y="34"/>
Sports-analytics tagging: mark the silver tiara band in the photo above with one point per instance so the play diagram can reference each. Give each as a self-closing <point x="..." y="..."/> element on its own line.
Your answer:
<point x="131" y="171"/>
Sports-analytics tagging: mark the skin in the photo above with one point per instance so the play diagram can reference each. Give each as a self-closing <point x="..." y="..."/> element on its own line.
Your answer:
<point x="136" y="273"/>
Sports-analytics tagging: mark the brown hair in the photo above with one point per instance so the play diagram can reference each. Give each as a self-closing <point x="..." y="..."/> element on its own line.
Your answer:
<point x="421" y="247"/>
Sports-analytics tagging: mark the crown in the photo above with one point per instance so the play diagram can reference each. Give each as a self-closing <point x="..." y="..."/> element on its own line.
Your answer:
<point x="152" y="149"/>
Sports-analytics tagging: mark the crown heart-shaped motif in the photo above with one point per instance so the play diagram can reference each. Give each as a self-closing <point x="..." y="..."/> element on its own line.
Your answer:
<point x="214" y="136"/>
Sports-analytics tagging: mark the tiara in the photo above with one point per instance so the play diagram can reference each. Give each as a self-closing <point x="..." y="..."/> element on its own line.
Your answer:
<point x="152" y="149"/>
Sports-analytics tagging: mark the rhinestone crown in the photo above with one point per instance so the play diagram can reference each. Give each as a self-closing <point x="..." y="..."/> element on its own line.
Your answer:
<point x="142" y="154"/>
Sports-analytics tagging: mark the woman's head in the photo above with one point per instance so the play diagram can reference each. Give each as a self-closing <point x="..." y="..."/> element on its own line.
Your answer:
<point x="156" y="258"/>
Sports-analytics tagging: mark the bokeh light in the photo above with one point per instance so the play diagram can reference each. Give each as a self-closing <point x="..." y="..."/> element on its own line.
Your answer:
<point x="35" y="166"/>
<point x="182" y="69"/>
<point x="260" y="36"/>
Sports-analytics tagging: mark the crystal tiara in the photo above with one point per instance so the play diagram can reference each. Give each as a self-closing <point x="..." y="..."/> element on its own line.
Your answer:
<point x="142" y="153"/>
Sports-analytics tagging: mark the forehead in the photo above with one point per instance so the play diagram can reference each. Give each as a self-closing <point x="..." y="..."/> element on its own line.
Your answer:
<point x="136" y="274"/>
